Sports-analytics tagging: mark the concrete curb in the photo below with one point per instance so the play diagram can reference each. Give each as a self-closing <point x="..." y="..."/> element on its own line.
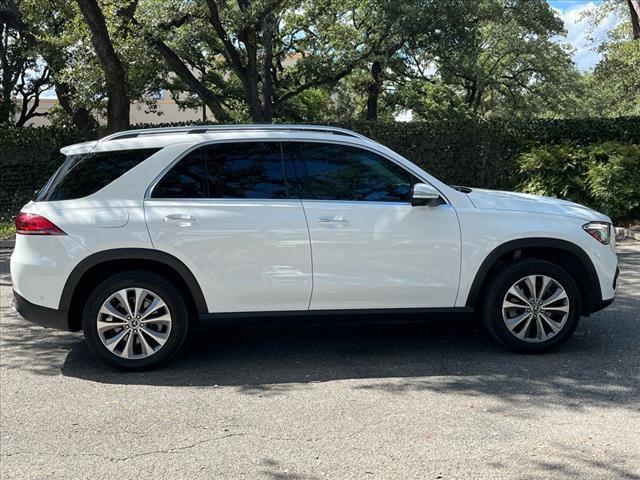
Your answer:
<point x="625" y="232"/>
<point x="7" y="244"/>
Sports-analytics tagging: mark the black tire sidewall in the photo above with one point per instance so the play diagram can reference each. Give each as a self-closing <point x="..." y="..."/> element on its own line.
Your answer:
<point x="492" y="308"/>
<point x="157" y="284"/>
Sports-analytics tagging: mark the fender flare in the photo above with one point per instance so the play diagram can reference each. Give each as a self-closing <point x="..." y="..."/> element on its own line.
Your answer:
<point x="131" y="254"/>
<point x="499" y="251"/>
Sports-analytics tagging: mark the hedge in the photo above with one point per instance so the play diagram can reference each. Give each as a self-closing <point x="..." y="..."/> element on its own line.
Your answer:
<point x="463" y="152"/>
<point x="28" y="157"/>
<point x="604" y="176"/>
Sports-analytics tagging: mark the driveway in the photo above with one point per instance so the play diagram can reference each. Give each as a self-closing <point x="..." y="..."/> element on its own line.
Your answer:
<point x="432" y="401"/>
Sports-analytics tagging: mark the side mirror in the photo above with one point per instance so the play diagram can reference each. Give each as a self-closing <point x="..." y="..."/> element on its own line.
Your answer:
<point x="423" y="194"/>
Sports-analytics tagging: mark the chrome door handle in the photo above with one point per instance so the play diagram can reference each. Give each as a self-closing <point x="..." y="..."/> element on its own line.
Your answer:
<point x="180" y="219"/>
<point x="333" y="220"/>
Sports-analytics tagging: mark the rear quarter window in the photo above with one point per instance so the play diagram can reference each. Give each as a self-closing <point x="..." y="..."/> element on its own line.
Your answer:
<point x="83" y="175"/>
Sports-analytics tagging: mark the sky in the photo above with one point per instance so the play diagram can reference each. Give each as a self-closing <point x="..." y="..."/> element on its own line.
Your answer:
<point x="578" y="29"/>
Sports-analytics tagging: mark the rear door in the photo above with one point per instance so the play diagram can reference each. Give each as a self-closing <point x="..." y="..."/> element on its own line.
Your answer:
<point x="226" y="211"/>
<point x="370" y="247"/>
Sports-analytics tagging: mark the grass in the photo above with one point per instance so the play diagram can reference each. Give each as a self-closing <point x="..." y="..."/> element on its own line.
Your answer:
<point x="7" y="229"/>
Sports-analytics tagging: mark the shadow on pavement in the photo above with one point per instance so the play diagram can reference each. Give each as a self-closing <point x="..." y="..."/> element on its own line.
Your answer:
<point x="600" y="365"/>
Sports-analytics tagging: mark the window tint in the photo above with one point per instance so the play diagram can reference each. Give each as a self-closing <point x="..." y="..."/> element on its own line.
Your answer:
<point x="340" y="172"/>
<point x="227" y="170"/>
<point x="245" y="170"/>
<point x="83" y="175"/>
<point x="184" y="180"/>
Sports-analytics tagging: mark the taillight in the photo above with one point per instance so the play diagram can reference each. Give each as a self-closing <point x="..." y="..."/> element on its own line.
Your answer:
<point x="32" y="224"/>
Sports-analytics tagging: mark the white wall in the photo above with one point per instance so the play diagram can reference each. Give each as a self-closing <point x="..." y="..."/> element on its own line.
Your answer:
<point x="170" y="112"/>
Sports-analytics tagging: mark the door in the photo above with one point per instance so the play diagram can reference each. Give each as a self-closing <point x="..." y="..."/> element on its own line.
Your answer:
<point x="225" y="210"/>
<point x="370" y="247"/>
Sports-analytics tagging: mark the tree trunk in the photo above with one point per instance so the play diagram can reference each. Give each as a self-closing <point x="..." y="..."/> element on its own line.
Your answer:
<point x="252" y="78"/>
<point x="6" y="102"/>
<point x="374" y="90"/>
<point x="118" y="103"/>
<point x="267" y="80"/>
<point x="81" y="117"/>
<point x="32" y="95"/>
<point x="634" y="10"/>
<point x="182" y="71"/>
<point x="478" y="99"/>
<point x="247" y="71"/>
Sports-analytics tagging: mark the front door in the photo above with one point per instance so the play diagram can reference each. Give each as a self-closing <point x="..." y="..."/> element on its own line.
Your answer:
<point x="370" y="247"/>
<point x="225" y="210"/>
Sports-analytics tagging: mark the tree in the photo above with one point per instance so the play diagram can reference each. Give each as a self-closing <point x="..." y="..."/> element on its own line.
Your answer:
<point x="49" y="24"/>
<point x="304" y="60"/>
<point x="413" y="34"/>
<point x="118" y="102"/>
<point x="507" y="62"/>
<point x="256" y="54"/>
<point x="634" y="13"/>
<point x="613" y="89"/>
<point x="24" y="74"/>
<point x="627" y="9"/>
<point x="614" y="86"/>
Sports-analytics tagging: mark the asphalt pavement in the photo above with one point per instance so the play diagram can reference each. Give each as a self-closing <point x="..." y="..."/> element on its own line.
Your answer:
<point x="437" y="400"/>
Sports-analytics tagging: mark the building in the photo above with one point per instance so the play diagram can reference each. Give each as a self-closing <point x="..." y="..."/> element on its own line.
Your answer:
<point x="167" y="111"/>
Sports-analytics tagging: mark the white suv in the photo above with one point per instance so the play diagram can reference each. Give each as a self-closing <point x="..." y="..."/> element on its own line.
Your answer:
<point x="146" y="233"/>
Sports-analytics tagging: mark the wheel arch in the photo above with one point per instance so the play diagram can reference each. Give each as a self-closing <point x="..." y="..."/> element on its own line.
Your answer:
<point x="100" y="265"/>
<point x="566" y="254"/>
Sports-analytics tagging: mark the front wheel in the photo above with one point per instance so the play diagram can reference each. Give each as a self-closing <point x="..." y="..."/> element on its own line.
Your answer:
<point x="531" y="306"/>
<point x="135" y="320"/>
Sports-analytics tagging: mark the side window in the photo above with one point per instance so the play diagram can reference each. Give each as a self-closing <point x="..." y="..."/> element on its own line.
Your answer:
<point x="227" y="170"/>
<point x="340" y="172"/>
<point x="245" y="170"/>
<point x="184" y="180"/>
<point x="83" y="175"/>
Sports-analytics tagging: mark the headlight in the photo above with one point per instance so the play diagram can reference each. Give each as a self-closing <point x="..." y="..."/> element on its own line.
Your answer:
<point x="601" y="231"/>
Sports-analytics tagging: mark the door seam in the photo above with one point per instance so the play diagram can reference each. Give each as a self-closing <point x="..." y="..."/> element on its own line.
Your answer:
<point x="304" y="212"/>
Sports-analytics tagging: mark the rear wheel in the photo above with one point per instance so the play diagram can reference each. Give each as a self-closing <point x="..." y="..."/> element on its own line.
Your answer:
<point x="135" y="320"/>
<point x="531" y="306"/>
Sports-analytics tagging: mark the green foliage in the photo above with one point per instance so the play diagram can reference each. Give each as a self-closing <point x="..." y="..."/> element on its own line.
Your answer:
<point x="466" y="151"/>
<point x="613" y="179"/>
<point x="613" y="88"/>
<point x="555" y="171"/>
<point x="493" y="58"/>
<point x="29" y="157"/>
<point x="604" y="176"/>
<point x="7" y="229"/>
<point x="507" y="63"/>
<point x="580" y="131"/>
<point x="616" y="79"/>
<point x="23" y="75"/>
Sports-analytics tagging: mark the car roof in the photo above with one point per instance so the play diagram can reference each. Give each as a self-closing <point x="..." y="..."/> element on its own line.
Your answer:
<point x="162" y="137"/>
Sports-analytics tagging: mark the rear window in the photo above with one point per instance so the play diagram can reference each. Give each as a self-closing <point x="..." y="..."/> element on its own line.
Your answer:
<point x="83" y="175"/>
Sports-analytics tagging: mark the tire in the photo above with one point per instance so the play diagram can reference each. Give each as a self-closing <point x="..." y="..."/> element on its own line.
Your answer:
<point x="500" y="306"/>
<point x="155" y="338"/>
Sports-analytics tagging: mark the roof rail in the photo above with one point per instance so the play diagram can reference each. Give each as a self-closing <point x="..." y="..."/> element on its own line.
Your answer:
<point x="223" y="128"/>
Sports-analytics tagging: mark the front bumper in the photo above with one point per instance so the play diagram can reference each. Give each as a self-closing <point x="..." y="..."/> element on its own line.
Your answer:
<point x="602" y="304"/>
<point x="43" y="316"/>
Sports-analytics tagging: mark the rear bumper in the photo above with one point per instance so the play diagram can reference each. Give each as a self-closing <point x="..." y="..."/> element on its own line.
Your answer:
<point x="43" y="316"/>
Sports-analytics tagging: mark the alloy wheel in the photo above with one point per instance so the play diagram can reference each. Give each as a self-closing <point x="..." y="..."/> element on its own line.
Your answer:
<point x="535" y="308"/>
<point x="134" y="323"/>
